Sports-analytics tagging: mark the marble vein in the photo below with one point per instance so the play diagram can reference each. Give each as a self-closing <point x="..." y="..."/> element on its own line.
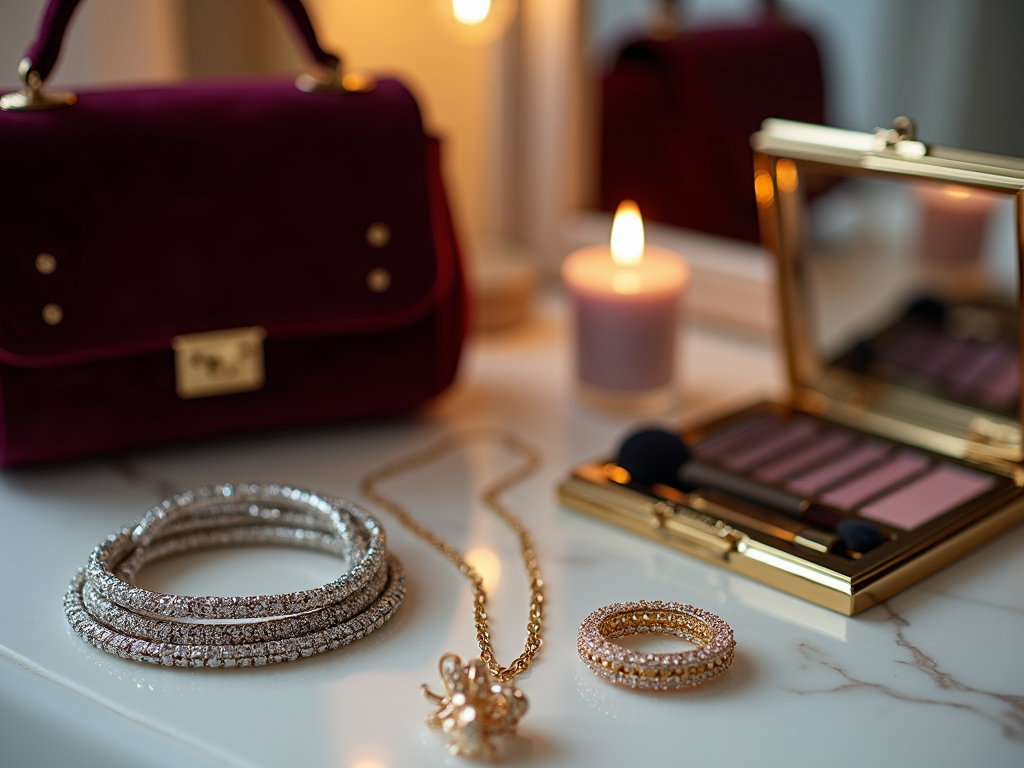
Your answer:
<point x="1010" y="718"/>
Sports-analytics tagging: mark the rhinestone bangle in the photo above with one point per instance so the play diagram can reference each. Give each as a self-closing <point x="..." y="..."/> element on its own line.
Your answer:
<point x="213" y="633"/>
<point x="231" y="655"/>
<point x="657" y="671"/>
<point x="352" y="525"/>
<point x="106" y="610"/>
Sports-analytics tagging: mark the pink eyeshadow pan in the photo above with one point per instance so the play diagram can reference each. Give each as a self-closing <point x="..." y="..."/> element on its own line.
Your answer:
<point x="730" y="438"/>
<point x="864" y="454"/>
<point x="964" y="377"/>
<point x="864" y="486"/>
<point x="945" y="352"/>
<point x="929" y="496"/>
<point x="1003" y="384"/>
<point x="799" y="460"/>
<point x="788" y="434"/>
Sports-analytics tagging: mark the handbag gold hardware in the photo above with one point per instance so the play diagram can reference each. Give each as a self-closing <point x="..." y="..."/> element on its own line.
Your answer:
<point x="378" y="234"/>
<point x="337" y="81"/>
<point x="46" y="263"/>
<point x="52" y="314"/>
<point x="219" y="362"/>
<point x="378" y="280"/>
<point x="33" y="97"/>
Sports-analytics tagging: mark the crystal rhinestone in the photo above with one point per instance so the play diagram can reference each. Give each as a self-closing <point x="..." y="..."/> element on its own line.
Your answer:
<point x="652" y="671"/>
<point x="373" y="586"/>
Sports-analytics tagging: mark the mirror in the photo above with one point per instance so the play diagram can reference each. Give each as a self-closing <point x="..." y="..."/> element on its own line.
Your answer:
<point x="915" y="284"/>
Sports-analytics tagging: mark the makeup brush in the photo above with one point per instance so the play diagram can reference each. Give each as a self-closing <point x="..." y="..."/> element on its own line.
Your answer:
<point x="656" y="456"/>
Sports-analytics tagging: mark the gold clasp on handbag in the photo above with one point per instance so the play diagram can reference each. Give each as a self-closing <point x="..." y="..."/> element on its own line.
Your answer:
<point x="336" y="80"/>
<point x="218" y="362"/>
<point x="32" y="97"/>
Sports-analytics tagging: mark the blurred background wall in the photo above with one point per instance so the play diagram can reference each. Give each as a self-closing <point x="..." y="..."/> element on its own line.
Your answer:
<point x="518" y="115"/>
<point x="111" y="40"/>
<point x="952" y="65"/>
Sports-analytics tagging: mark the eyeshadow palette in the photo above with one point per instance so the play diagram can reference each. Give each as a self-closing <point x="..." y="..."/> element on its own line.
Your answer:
<point x="899" y="447"/>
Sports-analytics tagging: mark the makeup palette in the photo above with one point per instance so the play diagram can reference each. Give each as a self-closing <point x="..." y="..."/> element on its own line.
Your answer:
<point x="899" y="447"/>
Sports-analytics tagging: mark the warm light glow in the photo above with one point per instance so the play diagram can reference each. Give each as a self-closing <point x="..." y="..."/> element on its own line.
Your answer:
<point x="764" y="190"/>
<point x="486" y="563"/>
<point x="617" y="474"/>
<point x="474" y="22"/>
<point x="957" y="194"/>
<point x="471" y="12"/>
<point x="786" y="175"/>
<point x="626" y="283"/>
<point x="627" y="235"/>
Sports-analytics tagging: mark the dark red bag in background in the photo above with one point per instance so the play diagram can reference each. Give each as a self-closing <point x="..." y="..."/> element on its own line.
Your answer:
<point x="192" y="261"/>
<point x="677" y="115"/>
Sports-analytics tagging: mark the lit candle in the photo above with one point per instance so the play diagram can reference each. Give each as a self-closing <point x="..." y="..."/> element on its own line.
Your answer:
<point x="626" y="298"/>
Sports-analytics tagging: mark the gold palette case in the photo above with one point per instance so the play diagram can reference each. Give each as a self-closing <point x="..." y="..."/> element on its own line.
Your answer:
<point x="875" y="235"/>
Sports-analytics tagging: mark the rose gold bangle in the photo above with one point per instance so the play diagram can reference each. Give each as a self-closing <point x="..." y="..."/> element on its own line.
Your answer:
<point x="656" y="671"/>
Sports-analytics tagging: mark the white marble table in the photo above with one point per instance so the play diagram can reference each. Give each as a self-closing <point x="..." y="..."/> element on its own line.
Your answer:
<point x="934" y="677"/>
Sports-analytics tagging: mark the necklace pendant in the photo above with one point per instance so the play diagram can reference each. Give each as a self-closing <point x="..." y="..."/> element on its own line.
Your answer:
<point x="474" y="708"/>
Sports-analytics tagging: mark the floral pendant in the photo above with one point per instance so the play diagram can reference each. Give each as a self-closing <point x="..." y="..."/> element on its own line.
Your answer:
<point x="474" y="707"/>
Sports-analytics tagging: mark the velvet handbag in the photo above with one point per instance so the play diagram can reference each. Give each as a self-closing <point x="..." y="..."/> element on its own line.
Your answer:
<point x="678" y="110"/>
<point x="189" y="261"/>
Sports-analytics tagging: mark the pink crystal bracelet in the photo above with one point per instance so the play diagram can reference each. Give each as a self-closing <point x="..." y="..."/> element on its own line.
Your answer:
<point x="655" y="671"/>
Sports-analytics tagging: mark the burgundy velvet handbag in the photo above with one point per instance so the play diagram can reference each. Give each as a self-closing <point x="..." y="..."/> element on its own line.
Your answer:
<point x="190" y="261"/>
<point x="677" y="115"/>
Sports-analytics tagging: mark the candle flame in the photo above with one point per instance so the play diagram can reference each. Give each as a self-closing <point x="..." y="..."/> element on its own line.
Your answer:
<point x="627" y="234"/>
<point x="471" y="12"/>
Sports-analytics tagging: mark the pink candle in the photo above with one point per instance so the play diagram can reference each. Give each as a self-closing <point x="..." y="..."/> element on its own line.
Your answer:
<point x="626" y="300"/>
<point x="955" y="219"/>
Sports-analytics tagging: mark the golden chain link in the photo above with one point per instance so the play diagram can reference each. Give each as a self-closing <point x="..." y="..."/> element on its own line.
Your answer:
<point x="489" y="496"/>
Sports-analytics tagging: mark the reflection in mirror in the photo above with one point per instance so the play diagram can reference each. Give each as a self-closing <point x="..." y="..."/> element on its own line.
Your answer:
<point x="915" y="284"/>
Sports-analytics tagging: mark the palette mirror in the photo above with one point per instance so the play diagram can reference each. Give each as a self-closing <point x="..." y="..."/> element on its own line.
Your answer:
<point x="907" y="304"/>
<point x="915" y="284"/>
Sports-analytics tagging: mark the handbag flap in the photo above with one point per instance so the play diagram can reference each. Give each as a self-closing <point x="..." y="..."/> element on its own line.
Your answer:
<point x="168" y="211"/>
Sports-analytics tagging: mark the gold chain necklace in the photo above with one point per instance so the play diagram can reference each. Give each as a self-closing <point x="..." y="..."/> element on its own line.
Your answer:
<point x="480" y="700"/>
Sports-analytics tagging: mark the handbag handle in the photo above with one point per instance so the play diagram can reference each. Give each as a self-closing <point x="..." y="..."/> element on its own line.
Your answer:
<point x="667" y="20"/>
<point x="41" y="57"/>
<point x="44" y="51"/>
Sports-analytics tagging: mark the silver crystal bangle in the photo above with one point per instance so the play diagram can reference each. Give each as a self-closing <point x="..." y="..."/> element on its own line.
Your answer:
<point x="110" y="613"/>
<point x="361" y="532"/>
<point x="165" y="630"/>
<point x="233" y="655"/>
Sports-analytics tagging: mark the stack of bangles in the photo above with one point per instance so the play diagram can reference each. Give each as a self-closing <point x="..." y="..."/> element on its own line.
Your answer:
<point x="108" y="612"/>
